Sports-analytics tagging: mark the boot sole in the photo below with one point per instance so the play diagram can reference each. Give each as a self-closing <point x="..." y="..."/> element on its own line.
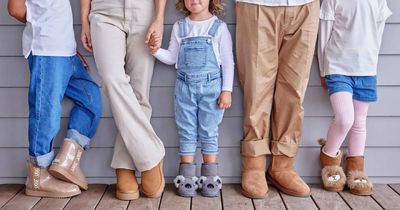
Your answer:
<point x="50" y="194"/>
<point x="127" y="196"/>
<point x="283" y="189"/>
<point x="60" y="173"/>
<point x="249" y="195"/>
<point x="360" y="194"/>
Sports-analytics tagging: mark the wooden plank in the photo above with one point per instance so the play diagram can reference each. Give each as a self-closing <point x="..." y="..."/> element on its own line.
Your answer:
<point x="89" y="199"/>
<point x="273" y="201"/>
<point x="8" y="191"/>
<point x="298" y="203"/>
<point x="171" y="201"/>
<point x="386" y="196"/>
<point x="326" y="200"/>
<point x="233" y="199"/>
<point x="21" y="202"/>
<point x="359" y="202"/>
<point x="395" y="187"/>
<point x="51" y="204"/>
<point x="201" y="203"/>
<point x="110" y="202"/>
<point x="145" y="203"/>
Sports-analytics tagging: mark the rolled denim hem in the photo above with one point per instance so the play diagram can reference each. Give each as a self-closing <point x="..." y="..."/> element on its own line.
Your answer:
<point x="209" y="153"/>
<point x="78" y="138"/>
<point x="187" y="153"/>
<point x="43" y="161"/>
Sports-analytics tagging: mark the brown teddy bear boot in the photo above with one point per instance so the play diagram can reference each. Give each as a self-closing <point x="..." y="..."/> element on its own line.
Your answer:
<point x="357" y="181"/>
<point x="254" y="183"/>
<point x="332" y="175"/>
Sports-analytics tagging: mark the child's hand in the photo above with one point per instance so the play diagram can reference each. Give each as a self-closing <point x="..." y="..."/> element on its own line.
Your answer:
<point x="154" y="43"/>
<point x="323" y="82"/>
<point x="225" y="100"/>
<point x="85" y="36"/>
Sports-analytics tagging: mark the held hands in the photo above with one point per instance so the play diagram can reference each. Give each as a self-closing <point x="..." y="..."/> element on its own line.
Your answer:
<point x="323" y="82"/>
<point x="225" y="100"/>
<point x="85" y="36"/>
<point x="154" y="43"/>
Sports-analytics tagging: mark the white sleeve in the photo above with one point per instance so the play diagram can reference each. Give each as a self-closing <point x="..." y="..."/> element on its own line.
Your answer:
<point x="227" y="60"/>
<point x="325" y="32"/>
<point x="170" y="56"/>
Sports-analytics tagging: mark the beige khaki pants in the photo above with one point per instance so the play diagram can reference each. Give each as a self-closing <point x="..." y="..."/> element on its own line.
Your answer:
<point x="275" y="47"/>
<point x="118" y="30"/>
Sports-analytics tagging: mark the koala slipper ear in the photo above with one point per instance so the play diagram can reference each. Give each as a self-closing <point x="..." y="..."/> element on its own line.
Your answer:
<point x="179" y="179"/>
<point x="201" y="181"/>
<point x="218" y="180"/>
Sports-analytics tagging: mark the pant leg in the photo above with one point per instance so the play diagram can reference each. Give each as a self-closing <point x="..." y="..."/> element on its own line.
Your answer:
<point x="299" y="34"/>
<point x="210" y="117"/>
<point x="48" y="82"/>
<point x="109" y="44"/>
<point x="85" y="115"/>
<point x="186" y="117"/>
<point x="257" y="61"/>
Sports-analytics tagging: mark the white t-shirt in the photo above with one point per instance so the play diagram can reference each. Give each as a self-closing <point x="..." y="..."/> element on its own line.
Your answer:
<point x="49" y="28"/>
<point x="277" y="2"/>
<point x="222" y="44"/>
<point x="350" y="36"/>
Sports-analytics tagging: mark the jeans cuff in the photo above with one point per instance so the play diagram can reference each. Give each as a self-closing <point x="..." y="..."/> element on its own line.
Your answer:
<point x="254" y="148"/>
<point x="209" y="152"/>
<point x="284" y="148"/>
<point x="78" y="138"/>
<point x="43" y="161"/>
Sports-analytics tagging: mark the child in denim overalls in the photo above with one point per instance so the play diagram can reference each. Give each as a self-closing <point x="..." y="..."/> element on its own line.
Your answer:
<point x="348" y="49"/>
<point x="200" y="45"/>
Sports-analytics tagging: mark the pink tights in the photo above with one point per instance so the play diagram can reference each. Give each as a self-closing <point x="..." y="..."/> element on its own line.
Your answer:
<point x="350" y="119"/>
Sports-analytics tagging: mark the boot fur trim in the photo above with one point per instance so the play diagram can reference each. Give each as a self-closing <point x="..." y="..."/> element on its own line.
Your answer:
<point x="333" y="176"/>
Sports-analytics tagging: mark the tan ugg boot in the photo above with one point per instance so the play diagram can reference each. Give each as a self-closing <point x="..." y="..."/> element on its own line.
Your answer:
<point x="41" y="184"/>
<point x="332" y="175"/>
<point x="153" y="182"/>
<point x="254" y="182"/>
<point x="357" y="181"/>
<point x="66" y="164"/>
<point x="127" y="187"/>
<point x="282" y="175"/>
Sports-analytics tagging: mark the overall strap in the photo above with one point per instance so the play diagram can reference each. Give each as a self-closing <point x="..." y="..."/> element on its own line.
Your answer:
<point x="214" y="28"/>
<point x="182" y="28"/>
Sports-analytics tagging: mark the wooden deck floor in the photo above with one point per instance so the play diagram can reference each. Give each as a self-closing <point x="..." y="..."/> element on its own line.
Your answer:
<point x="101" y="197"/>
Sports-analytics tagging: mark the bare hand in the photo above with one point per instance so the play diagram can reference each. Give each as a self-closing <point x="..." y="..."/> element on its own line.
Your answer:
<point x="155" y="30"/>
<point x="85" y="36"/>
<point x="225" y="100"/>
<point x="154" y="43"/>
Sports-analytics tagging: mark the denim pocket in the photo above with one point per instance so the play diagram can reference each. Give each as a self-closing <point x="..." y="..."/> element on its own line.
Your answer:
<point x="195" y="57"/>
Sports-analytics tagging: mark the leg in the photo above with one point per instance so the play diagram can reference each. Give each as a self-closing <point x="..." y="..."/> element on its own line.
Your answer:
<point x="142" y="143"/>
<point x="342" y="105"/>
<point x="48" y="82"/>
<point x="49" y="79"/>
<point x="358" y="132"/>
<point x="257" y="61"/>
<point x="296" y="53"/>
<point x="84" y="120"/>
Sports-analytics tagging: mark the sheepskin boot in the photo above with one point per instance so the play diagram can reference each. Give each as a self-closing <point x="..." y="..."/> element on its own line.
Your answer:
<point x="357" y="181"/>
<point x="210" y="183"/>
<point x="186" y="182"/>
<point x="127" y="186"/>
<point x="153" y="181"/>
<point x="254" y="182"/>
<point x="332" y="175"/>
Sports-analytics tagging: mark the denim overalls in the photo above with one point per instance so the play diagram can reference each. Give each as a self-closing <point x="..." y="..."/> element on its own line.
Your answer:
<point x="197" y="89"/>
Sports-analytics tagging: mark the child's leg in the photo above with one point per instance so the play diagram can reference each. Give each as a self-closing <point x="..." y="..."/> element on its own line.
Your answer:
<point x="342" y="105"/>
<point x="84" y="120"/>
<point x="48" y="81"/>
<point x="358" y="133"/>
<point x="209" y="158"/>
<point x="85" y="115"/>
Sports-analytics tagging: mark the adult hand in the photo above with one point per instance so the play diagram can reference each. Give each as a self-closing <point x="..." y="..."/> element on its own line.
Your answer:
<point x="85" y="36"/>
<point x="155" y="29"/>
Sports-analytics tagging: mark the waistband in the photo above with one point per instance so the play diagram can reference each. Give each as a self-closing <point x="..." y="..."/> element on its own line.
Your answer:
<point x="198" y="77"/>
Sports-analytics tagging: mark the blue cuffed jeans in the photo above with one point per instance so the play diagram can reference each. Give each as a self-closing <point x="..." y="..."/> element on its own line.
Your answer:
<point x="52" y="78"/>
